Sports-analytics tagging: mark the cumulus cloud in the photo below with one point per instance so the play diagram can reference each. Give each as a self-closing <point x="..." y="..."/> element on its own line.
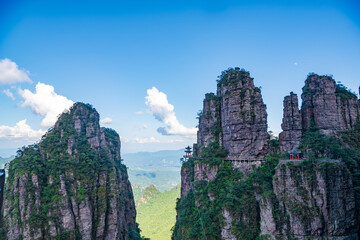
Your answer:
<point x="20" y="130"/>
<point x="8" y="93"/>
<point x="124" y="139"/>
<point x="10" y="73"/>
<point x="164" y="112"/>
<point x="106" y="120"/>
<point x="139" y="113"/>
<point x="45" y="102"/>
<point x="146" y="140"/>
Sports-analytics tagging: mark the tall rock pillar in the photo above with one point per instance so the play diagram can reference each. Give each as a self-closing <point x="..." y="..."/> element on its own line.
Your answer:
<point x="243" y="116"/>
<point x="291" y="124"/>
<point x="328" y="106"/>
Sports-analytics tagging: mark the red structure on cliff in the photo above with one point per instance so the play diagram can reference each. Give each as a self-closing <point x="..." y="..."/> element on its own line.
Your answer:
<point x="294" y="154"/>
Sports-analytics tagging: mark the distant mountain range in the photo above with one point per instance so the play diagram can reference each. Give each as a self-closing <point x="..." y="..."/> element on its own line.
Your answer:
<point x="3" y="161"/>
<point x="166" y="159"/>
<point x="162" y="168"/>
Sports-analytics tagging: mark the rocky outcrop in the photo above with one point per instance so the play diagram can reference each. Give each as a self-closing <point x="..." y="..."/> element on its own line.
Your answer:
<point x="235" y="118"/>
<point x="328" y="106"/>
<point x="187" y="178"/>
<point x="204" y="171"/>
<point x="72" y="185"/>
<point x="209" y="122"/>
<point x="291" y="124"/>
<point x="249" y="198"/>
<point x="243" y="116"/>
<point x="2" y="184"/>
<point x="310" y="202"/>
<point x="226" y="233"/>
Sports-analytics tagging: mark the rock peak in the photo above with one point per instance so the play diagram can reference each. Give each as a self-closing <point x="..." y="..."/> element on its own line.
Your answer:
<point x="235" y="118"/>
<point x="330" y="106"/>
<point x="291" y="124"/>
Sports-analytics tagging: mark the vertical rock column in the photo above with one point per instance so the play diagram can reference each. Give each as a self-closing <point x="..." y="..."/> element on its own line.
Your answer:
<point x="243" y="116"/>
<point x="209" y="122"/>
<point x="2" y="183"/>
<point x="291" y="124"/>
<point x="327" y="105"/>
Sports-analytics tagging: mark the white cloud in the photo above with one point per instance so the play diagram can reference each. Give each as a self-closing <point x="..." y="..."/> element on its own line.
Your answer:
<point x="175" y="141"/>
<point x="124" y="139"/>
<point x="146" y="140"/>
<point x="164" y="112"/>
<point x="8" y="93"/>
<point x="106" y="120"/>
<point x="45" y="102"/>
<point x="10" y="73"/>
<point x="139" y="113"/>
<point x="296" y="63"/>
<point x="20" y="130"/>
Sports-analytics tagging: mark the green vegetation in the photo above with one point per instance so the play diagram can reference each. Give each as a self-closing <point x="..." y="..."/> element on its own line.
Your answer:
<point x="344" y="93"/>
<point x="213" y="154"/>
<point x="210" y="96"/>
<point x="345" y="146"/>
<point x="162" y="179"/>
<point x="49" y="159"/>
<point x="156" y="212"/>
<point x="137" y="191"/>
<point x="236" y="194"/>
<point x="233" y="193"/>
<point x="228" y="77"/>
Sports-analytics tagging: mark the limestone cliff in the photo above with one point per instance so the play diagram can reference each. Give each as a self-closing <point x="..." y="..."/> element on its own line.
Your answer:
<point x="235" y="118"/>
<point x="243" y="116"/>
<point x="291" y="124"/>
<point x="71" y="185"/>
<point x="209" y="122"/>
<point x="328" y="106"/>
<point x="2" y="184"/>
<point x="316" y="199"/>
<point x="310" y="201"/>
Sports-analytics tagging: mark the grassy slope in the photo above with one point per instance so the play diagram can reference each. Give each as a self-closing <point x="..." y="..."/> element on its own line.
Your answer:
<point x="157" y="214"/>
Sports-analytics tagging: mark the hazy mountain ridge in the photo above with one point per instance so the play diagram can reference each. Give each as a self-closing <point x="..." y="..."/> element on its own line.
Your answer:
<point x="156" y="212"/>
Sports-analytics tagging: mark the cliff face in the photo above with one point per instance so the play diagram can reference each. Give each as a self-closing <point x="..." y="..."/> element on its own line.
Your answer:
<point x="235" y="118"/>
<point x="209" y="122"/>
<point x="291" y="124"/>
<point x="72" y="185"/>
<point x="2" y="184"/>
<point x="243" y="116"/>
<point x="310" y="201"/>
<point x="327" y="105"/>
<point x="239" y="199"/>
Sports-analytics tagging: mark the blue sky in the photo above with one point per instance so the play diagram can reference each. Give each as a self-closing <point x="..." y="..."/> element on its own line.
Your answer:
<point x="110" y="54"/>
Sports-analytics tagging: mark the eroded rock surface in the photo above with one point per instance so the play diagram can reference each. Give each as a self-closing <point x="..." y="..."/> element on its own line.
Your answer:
<point x="72" y="185"/>
<point x="327" y="105"/>
<point x="291" y="124"/>
<point x="310" y="202"/>
<point x="235" y="118"/>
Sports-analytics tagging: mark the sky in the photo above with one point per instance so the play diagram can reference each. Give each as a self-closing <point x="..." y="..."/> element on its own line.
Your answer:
<point x="146" y="65"/>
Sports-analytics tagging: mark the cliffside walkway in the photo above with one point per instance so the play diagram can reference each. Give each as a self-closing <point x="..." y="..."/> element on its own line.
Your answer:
<point x="234" y="160"/>
<point x="245" y="160"/>
<point x="301" y="160"/>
